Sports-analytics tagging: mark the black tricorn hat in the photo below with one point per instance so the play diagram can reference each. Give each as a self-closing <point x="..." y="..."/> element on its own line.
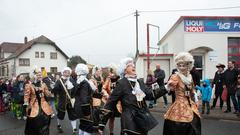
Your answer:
<point x="220" y="65"/>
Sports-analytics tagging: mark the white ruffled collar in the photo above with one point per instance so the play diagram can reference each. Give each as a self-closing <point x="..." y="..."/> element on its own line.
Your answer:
<point x="187" y="80"/>
<point x="136" y="90"/>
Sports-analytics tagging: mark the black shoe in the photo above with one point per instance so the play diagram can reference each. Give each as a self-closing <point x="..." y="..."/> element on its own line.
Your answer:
<point x="208" y="112"/>
<point x="236" y="112"/>
<point x="202" y="112"/>
<point x="111" y="134"/>
<point x="227" y="111"/>
<point x="59" y="127"/>
<point x="74" y="131"/>
<point x="212" y="107"/>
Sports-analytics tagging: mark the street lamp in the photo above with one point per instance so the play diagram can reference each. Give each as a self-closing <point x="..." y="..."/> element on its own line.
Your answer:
<point x="148" y="43"/>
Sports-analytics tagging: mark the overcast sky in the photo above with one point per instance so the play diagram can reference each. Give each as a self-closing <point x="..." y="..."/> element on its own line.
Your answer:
<point x="71" y="23"/>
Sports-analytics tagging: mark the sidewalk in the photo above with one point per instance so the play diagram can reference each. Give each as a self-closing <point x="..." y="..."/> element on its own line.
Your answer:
<point x="216" y="113"/>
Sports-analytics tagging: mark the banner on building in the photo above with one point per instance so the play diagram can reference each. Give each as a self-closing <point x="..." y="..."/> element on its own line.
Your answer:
<point x="211" y="25"/>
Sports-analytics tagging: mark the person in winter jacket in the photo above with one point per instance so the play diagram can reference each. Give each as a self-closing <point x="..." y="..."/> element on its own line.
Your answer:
<point x="206" y="92"/>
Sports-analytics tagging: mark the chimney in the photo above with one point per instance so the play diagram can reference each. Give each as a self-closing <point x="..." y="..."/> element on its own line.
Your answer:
<point x="25" y="40"/>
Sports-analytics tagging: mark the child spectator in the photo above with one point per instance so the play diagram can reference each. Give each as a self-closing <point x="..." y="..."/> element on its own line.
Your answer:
<point x="206" y="92"/>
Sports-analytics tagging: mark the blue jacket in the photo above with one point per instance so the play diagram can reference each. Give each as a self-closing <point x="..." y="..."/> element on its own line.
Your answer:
<point x="206" y="91"/>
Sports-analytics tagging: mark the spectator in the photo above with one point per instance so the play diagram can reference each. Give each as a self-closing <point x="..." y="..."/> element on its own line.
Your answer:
<point x="206" y="92"/>
<point x="195" y="76"/>
<point x="238" y="94"/>
<point x="150" y="80"/>
<point x="3" y="89"/>
<point x="159" y="74"/>
<point x="218" y="82"/>
<point x="230" y="77"/>
<point x="18" y="93"/>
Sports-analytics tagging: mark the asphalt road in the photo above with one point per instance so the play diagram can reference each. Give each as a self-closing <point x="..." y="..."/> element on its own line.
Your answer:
<point x="10" y="126"/>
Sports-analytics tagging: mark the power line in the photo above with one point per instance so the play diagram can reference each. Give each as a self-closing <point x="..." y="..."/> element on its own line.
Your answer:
<point x="181" y="10"/>
<point x="143" y="11"/>
<point x="95" y="27"/>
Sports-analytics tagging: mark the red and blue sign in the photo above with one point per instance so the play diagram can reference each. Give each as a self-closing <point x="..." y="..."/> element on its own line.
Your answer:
<point x="211" y="25"/>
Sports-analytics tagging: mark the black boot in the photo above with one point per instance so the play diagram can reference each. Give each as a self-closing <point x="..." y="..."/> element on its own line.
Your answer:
<point x="59" y="127"/>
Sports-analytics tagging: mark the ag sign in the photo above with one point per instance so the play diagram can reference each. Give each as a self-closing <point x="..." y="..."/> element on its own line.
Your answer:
<point x="212" y="25"/>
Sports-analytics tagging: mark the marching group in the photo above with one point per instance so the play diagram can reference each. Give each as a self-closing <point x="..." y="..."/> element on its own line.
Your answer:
<point x="95" y="99"/>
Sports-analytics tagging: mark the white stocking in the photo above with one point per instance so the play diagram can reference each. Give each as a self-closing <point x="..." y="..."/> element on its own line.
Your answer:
<point x="74" y="124"/>
<point x="83" y="132"/>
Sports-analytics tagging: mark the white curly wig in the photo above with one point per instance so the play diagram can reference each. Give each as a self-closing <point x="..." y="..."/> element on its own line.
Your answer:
<point x="113" y="66"/>
<point x="184" y="57"/>
<point x="123" y="65"/>
<point x="81" y="69"/>
<point x="67" y="69"/>
<point x="95" y="69"/>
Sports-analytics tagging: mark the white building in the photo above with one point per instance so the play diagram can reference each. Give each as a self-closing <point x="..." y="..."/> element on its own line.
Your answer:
<point x="210" y="39"/>
<point x="21" y="58"/>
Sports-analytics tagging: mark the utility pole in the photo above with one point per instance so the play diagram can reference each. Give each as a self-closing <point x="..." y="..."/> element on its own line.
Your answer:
<point x="137" y="51"/>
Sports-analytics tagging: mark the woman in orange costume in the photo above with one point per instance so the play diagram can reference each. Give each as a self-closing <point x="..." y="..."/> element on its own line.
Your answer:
<point x="38" y="110"/>
<point x="183" y="116"/>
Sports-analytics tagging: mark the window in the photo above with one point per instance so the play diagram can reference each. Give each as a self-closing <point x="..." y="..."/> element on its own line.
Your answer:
<point x="53" y="69"/>
<point x="24" y="62"/>
<point x="36" y="54"/>
<point x="53" y="55"/>
<point x="234" y="50"/>
<point x="42" y="55"/>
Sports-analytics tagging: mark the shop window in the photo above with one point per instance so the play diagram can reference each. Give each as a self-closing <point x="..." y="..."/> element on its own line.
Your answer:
<point x="234" y="50"/>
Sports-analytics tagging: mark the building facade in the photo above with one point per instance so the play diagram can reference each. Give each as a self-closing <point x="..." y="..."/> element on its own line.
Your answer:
<point x="210" y="39"/>
<point x="22" y="58"/>
<point x="164" y="60"/>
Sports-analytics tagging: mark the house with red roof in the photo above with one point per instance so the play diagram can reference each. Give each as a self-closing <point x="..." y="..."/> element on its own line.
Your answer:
<point x="23" y="58"/>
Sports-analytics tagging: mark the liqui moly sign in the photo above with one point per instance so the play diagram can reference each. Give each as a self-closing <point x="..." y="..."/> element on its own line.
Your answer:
<point x="212" y="25"/>
<point x="194" y="25"/>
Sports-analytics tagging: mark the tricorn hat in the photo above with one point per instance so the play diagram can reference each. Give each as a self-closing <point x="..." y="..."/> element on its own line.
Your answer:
<point x="220" y="65"/>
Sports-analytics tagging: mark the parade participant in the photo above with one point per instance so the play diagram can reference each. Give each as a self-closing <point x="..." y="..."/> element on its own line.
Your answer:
<point x="38" y="110"/>
<point x="132" y="94"/>
<point x="83" y="104"/>
<point x="108" y="87"/>
<point x="97" y="76"/>
<point x="182" y="116"/>
<point x="64" y="103"/>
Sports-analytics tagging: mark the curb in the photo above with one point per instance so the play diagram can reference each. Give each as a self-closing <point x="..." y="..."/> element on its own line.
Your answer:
<point x="204" y="116"/>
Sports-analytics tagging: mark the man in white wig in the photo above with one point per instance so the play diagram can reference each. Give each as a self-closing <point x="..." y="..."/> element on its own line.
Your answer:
<point x="64" y="103"/>
<point x="132" y="93"/>
<point x="85" y="91"/>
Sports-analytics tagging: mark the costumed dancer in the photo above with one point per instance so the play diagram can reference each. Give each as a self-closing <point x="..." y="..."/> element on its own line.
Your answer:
<point x="64" y="103"/>
<point x="108" y="87"/>
<point x="37" y="108"/>
<point x="97" y="76"/>
<point x="132" y="93"/>
<point x="97" y="79"/>
<point x="183" y="116"/>
<point x="85" y="91"/>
